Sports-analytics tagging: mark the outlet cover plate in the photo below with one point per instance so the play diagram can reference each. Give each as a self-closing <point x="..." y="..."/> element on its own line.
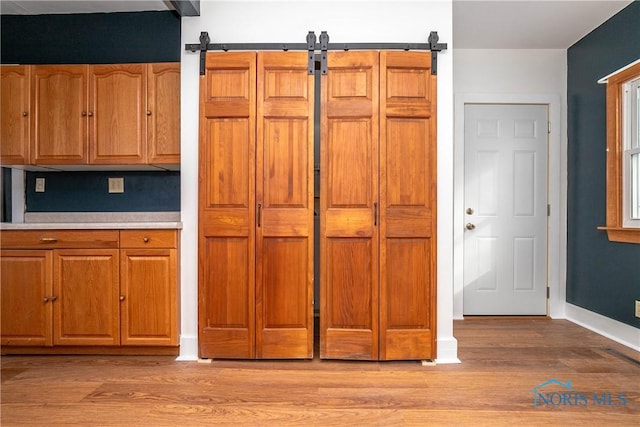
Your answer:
<point x="116" y="185"/>
<point x="40" y="185"/>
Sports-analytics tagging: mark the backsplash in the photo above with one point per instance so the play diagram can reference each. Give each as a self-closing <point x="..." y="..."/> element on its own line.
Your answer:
<point x="89" y="192"/>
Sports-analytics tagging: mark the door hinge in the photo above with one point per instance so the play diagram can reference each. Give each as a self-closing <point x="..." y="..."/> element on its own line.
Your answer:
<point x="548" y="293"/>
<point x="548" y="210"/>
<point x="548" y="127"/>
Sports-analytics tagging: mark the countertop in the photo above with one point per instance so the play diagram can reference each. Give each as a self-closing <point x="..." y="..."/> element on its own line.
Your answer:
<point x="96" y="221"/>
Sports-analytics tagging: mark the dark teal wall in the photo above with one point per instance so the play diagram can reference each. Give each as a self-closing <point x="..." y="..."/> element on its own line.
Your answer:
<point x="602" y="276"/>
<point x="88" y="192"/>
<point x="94" y="39"/>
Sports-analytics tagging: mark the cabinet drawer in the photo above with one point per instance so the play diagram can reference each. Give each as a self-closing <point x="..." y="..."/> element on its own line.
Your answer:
<point x="57" y="239"/>
<point x="148" y="238"/>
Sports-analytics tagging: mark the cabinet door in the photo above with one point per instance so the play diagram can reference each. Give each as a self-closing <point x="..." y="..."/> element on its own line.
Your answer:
<point x="284" y="194"/>
<point x="227" y="213"/>
<point x="163" y="113"/>
<point x="86" y="310"/>
<point x="407" y="206"/>
<point x="14" y="114"/>
<point x="348" y="199"/>
<point x="60" y="114"/>
<point x="25" y="295"/>
<point x="118" y="98"/>
<point x="148" y="297"/>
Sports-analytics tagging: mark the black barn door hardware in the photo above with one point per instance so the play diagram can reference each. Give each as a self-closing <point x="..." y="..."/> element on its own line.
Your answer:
<point x="323" y="46"/>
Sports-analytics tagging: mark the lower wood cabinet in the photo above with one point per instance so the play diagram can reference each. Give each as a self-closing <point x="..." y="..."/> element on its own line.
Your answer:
<point x="148" y="287"/>
<point x="85" y="297"/>
<point x="89" y="289"/>
<point x="26" y="288"/>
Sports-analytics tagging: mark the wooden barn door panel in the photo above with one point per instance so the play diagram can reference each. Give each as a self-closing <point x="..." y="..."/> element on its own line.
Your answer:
<point x="407" y="206"/>
<point x="349" y="191"/>
<point x="284" y="196"/>
<point x="227" y="206"/>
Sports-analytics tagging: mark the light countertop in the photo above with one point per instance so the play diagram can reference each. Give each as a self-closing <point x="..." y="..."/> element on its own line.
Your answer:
<point x="95" y="221"/>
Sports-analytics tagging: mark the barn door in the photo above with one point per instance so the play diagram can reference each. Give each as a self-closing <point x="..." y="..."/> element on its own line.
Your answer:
<point x="348" y="206"/>
<point x="407" y="206"/>
<point x="226" y="220"/>
<point x="256" y="206"/>
<point x="284" y="197"/>
<point x="378" y="206"/>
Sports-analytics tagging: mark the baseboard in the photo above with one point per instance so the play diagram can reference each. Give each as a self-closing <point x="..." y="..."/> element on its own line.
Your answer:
<point x="188" y="348"/>
<point x="612" y="329"/>
<point x="447" y="351"/>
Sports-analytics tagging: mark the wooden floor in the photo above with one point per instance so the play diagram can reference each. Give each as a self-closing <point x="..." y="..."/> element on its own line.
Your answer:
<point x="503" y="361"/>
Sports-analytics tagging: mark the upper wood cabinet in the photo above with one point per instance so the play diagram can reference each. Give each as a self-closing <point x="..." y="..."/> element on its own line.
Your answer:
<point x="117" y="128"/>
<point x="14" y="114"/>
<point x="115" y="114"/>
<point x="59" y="126"/>
<point x="163" y="113"/>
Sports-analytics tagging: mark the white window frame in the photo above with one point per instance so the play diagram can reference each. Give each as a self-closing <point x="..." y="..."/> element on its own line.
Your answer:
<point x="631" y="146"/>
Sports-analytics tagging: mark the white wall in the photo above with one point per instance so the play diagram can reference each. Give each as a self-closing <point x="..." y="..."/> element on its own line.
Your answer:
<point x="346" y="21"/>
<point x="516" y="76"/>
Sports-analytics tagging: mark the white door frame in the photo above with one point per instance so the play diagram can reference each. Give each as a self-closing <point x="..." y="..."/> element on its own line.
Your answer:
<point x="557" y="196"/>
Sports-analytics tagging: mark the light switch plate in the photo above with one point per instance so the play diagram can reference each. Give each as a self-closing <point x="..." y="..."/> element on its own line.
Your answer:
<point x="40" y="185"/>
<point x="116" y="185"/>
<point x="637" y="308"/>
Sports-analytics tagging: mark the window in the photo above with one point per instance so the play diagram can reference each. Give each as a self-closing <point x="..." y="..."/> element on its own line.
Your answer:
<point x="623" y="154"/>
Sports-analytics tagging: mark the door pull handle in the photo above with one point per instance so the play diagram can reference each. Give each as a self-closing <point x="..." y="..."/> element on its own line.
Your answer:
<point x="375" y="214"/>
<point x="259" y="214"/>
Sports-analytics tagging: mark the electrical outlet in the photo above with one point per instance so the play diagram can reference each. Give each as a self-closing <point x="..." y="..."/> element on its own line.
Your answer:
<point x="39" y="185"/>
<point x="637" y="308"/>
<point x="116" y="185"/>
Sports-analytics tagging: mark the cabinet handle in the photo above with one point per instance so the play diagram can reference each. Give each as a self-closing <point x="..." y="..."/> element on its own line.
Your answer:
<point x="48" y="240"/>
<point x="53" y="298"/>
<point x="259" y="214"/>
<point x="148" y="113"/>
<point x="25" y="114"/>
<point x="121" y="297"/>
<point x="145" y="239"/>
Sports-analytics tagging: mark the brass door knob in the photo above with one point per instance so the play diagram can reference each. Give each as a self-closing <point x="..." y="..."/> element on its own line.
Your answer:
<point x="470" y="226"/>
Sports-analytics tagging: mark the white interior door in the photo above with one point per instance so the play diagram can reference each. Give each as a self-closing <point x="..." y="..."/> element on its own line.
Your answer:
<point x="505" y="244"/>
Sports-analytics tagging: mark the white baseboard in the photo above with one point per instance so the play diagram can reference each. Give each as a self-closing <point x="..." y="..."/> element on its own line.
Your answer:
<point x="612" y="329"/>
<point x="188" y="349"/>
<point x="447" y="351"/>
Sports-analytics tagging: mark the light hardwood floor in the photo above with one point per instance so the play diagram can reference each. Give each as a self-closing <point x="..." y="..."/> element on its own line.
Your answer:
<point x="503" y="360"/>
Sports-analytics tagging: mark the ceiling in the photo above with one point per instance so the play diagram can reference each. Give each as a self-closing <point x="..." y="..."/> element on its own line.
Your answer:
<point x="477" y="24"/>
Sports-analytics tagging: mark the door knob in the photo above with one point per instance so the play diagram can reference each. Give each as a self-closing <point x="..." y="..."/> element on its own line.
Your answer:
<point x="470" y="226"/>
<point x="469" y="211"/>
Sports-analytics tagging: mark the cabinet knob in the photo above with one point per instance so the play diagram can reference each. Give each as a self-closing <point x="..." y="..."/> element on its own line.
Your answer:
<point x="148" y="113"/>
<point x="25" y="114"/>
<point x="90" y="113"/>
<point x="121" y="297"/>
<point x="53" y="298"/>
<point x="46" y="299"/>
<point x="145" y="239"/>
<point x="84" y="114"/>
